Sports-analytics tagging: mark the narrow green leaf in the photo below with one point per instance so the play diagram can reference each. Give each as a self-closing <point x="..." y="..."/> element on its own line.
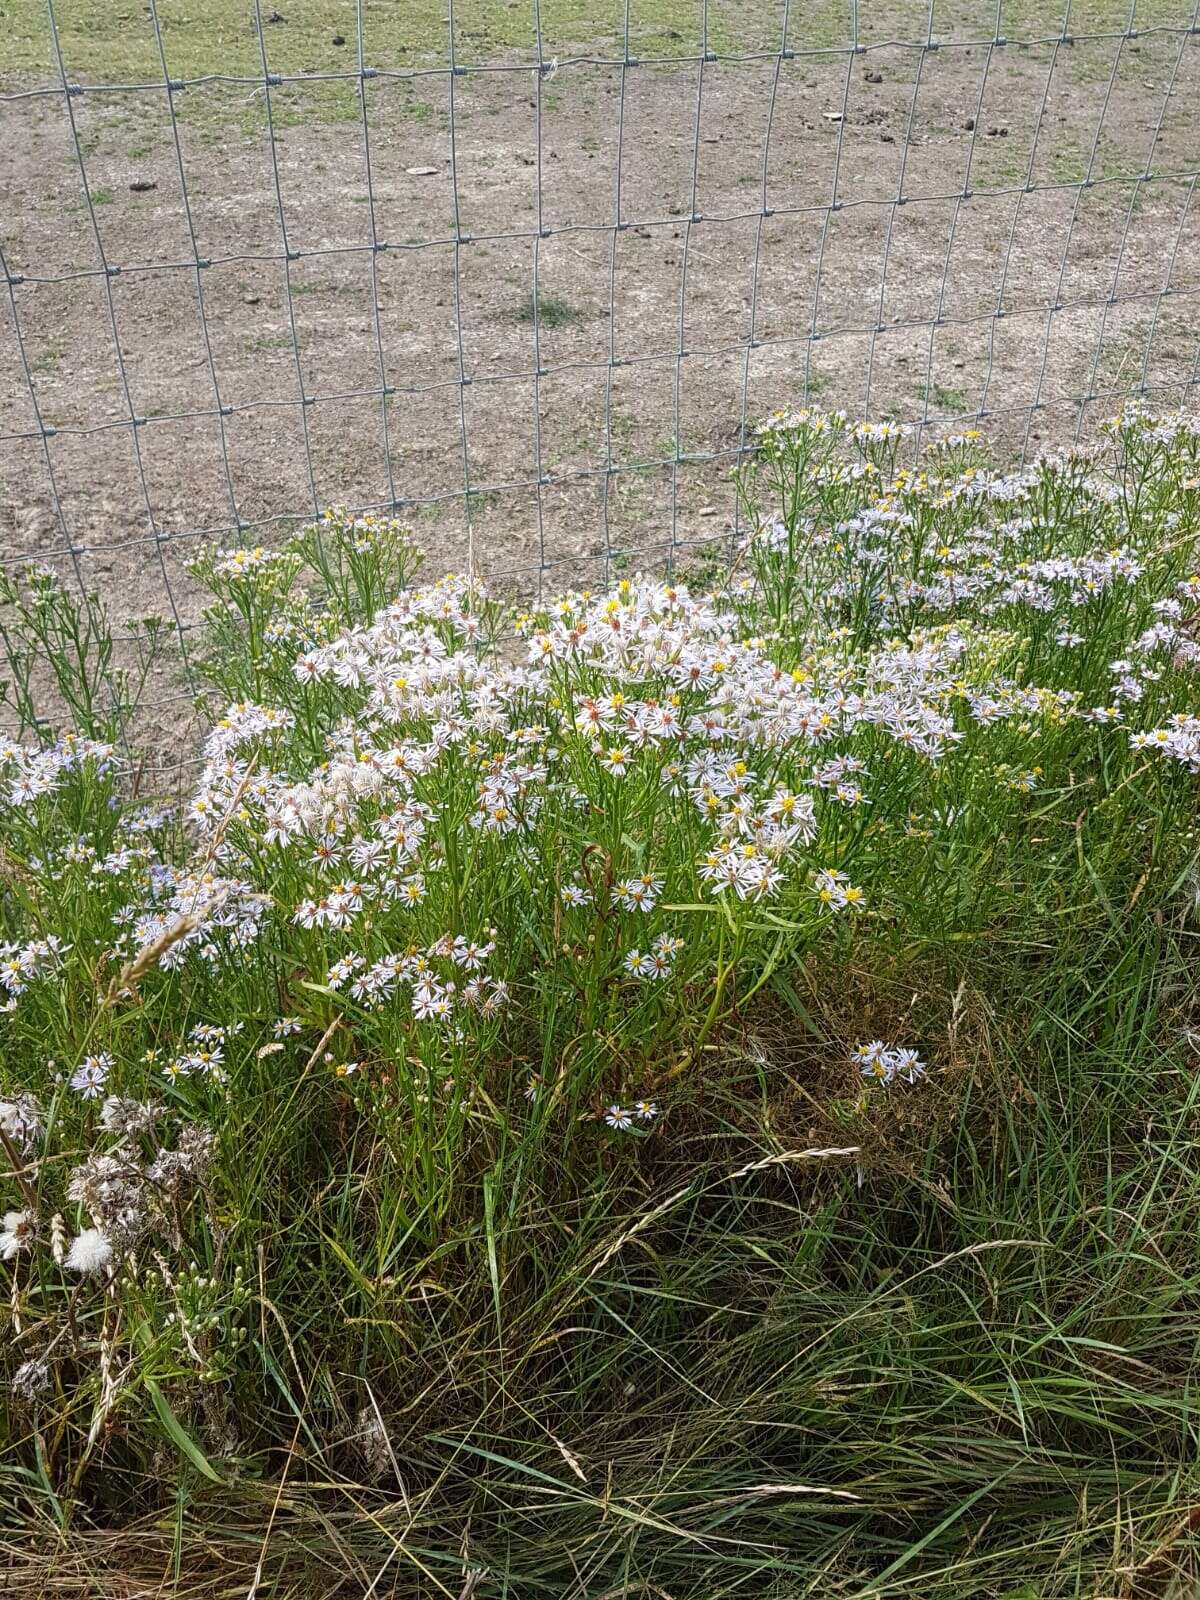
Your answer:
<point x="186" y="1444"/>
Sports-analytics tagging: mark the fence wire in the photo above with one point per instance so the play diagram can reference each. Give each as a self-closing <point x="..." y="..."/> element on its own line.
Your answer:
<point x="1061" y="409"/>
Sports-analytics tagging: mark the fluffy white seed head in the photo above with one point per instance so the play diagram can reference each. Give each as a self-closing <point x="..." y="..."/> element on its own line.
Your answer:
<point x="90" y="1252"/>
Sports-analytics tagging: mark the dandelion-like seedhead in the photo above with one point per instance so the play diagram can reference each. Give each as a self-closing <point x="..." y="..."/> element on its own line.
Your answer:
<point x="90" y="1253"/>
<point x="123" y="1115"/>
<point x="21" y="1121"/>
<point x="173" y="1170"/>
<point x="30" y="1381"/>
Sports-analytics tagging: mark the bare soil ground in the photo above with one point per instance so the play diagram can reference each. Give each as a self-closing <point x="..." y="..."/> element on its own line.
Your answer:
<point x="1077" y="272"/>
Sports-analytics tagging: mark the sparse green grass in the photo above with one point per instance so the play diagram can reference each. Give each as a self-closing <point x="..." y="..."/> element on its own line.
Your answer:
<point x="483" y="500"/>
<point x="415" y="1309"/>
<point x="103" y="43"/>
<point x="552" y="312"/>
<point x="263" y="342"/>
<point x="328" y="286"/>
<point x="49" y="357"/>
<point x="942" y="398"/>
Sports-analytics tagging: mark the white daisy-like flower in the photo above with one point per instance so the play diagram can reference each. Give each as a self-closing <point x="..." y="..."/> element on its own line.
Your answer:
<point x="89" y="1077"/>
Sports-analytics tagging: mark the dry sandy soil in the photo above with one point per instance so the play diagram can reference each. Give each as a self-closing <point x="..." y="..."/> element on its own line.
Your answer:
<point x="702" y="272"/>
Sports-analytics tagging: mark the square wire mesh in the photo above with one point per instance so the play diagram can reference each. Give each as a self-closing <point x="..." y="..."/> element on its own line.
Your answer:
<point x="835" y="300"/>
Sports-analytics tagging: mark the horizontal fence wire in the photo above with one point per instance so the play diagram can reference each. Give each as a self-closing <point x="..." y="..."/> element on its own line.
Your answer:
<point x="526" y="80"/>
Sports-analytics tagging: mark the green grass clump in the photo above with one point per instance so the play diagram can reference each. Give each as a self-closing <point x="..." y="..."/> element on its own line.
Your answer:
<point x="548" y="311"/>
<point x="657" y="1094"/>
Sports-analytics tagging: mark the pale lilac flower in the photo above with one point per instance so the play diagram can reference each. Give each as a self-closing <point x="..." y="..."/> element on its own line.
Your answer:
<point x="89" y="1077"/>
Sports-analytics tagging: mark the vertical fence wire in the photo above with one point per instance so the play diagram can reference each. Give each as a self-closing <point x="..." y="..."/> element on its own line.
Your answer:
<point x="960" y="200"/>
<point x="756" y="262"/>
<point x="384" y="388"/>
<point x="463" y="378"/>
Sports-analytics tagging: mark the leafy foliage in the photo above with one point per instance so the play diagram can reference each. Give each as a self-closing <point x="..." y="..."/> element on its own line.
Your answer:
<point x="659" y="1093"/>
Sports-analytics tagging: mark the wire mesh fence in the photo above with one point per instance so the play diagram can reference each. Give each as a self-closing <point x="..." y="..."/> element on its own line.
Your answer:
<point x="536" y="298"/>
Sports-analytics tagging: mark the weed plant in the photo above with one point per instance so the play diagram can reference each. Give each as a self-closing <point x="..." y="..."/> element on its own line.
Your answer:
<point x="660" y="1093"/>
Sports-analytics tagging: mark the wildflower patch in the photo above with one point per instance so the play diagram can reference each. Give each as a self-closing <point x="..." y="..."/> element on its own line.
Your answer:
<point x="475" y="922"/>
